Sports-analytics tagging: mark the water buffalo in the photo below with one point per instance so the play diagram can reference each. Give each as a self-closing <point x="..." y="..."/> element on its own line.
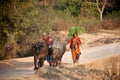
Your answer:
<point x="40" y="51"/>
<point x="59" y="49"/>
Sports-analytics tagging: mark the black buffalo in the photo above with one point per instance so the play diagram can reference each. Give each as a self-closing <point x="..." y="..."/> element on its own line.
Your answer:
<point x="59" y="49"/>
<point x="40" y="51"/>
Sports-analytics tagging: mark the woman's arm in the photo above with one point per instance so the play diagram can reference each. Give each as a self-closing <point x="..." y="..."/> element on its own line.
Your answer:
<point x="79" y="41"/>
<point x="69" y="41"/>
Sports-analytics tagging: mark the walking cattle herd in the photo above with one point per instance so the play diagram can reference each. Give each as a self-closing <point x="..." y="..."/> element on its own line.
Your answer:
<point x="40" y="51"/>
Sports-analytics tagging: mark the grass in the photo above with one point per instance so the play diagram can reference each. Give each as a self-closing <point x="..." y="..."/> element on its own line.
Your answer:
<point x="109" y="65"/>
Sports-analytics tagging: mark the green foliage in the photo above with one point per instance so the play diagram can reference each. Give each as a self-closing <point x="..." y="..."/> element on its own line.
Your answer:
<point x="74" y="30"/>
<point x="113" y="14"/>
<point x="3" y="38"/>
<point x="88" y="9"/>
<point x="10" y="48"/>
<point x="73" y="6"/>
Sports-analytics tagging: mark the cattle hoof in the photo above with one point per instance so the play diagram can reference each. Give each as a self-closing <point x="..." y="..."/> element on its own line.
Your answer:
<point x="35" y="68"/>
<point x="50" y="65"/>
<point x="54" y="65"/>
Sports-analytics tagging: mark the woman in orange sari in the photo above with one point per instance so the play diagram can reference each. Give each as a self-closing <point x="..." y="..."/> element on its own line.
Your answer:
<point x="75" y="43"/>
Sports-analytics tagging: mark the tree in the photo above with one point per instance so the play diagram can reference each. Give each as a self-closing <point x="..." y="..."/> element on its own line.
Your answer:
<point x="100" y="7"/>
<point x="88" y="9"/>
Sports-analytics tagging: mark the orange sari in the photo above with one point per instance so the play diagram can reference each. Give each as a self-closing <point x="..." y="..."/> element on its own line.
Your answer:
<point x="74" y="45"/>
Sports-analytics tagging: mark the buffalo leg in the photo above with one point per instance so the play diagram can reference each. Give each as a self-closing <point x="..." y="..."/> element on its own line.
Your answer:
<point x="56" y="62"/>
<point x="59" y="61"/>
<point x="50" y="63"/>
<point x="40" y="63"/>
<point x="53" y="61"/>
<point x="35" y="63"/>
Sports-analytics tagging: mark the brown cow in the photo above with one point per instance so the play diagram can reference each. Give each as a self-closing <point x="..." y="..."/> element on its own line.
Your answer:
<point x="40" y="51"/>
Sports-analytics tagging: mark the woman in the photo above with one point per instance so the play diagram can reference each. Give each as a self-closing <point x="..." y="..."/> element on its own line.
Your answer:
<point x="75" y="43"/>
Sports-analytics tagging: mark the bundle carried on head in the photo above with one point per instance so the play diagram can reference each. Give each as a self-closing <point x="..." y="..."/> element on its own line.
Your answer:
<point x="74" y="30"/>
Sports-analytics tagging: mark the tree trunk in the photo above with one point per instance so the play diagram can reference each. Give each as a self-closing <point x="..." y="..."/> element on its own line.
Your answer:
<point x="101" y="9"/>
<point x="101" y="16"/>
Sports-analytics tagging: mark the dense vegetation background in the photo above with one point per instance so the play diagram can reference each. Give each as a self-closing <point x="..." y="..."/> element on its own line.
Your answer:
<point x="22" y="22"/>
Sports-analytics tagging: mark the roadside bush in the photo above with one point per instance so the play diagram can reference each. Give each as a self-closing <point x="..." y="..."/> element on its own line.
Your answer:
<point x="112" y="23"/>
<point x="9" y="50"/>
<point x="1" y="55"/>
<point x="89" y="23"/>
<point x="109" y="65"/>
<point x="113" y="14"/>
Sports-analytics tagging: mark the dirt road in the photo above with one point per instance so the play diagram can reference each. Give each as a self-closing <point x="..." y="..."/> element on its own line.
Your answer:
<point x="23" y="67"/>
<point x="94" y="53"/>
